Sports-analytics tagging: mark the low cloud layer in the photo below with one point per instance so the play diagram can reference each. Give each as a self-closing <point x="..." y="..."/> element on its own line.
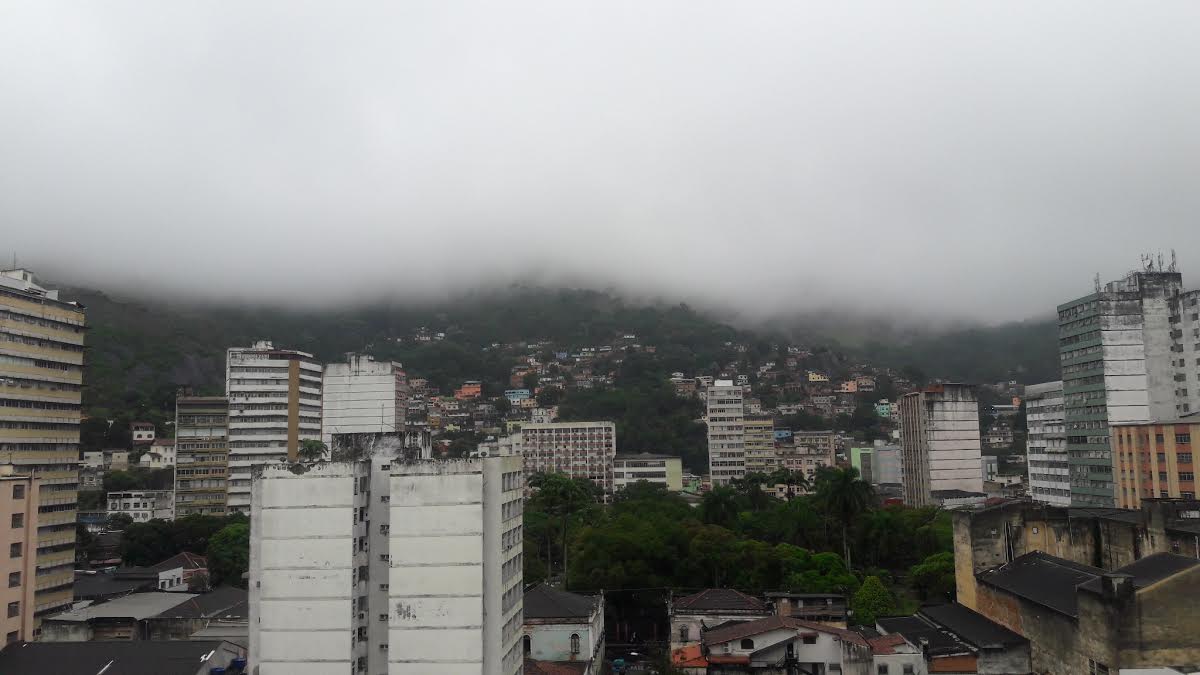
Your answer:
<point x="980" y="159"/>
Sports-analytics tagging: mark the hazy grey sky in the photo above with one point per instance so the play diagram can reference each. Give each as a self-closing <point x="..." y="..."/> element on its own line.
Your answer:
<point x="965" y="158"/>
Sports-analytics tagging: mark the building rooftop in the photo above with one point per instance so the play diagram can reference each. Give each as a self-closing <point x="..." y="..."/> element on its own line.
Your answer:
<point x="544" y="602"/>
<point x="748" y="628"/>
<point x="641" y="455"/>
<point x="555" y="667"/>
<point x="1042" y="579"/>
<point x="223" y="602"/>
<point x="719" y="599"/>
<point x="915" y="629"/>
<point x="1148" y="570"/>
<point x="136" y="606"/>
<point x="972" y="626"/>
<point x="139" y="657"/>
<point x="98" y="586"/>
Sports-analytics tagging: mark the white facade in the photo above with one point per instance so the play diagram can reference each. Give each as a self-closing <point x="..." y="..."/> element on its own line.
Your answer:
<point x="940" y="442"/>
<point x="577" y="449"/>
<point x="387" y="566"/>
<point x="274" y="405"/>
<point x="663" y="470"/>
<point x="1046" y="445"/>
<point x="160" y="455"/>
<point x="886" y="464"/>
<point x="725" y="417"/>
<point x="363" y="396"/>
<point x="143" y="505"/>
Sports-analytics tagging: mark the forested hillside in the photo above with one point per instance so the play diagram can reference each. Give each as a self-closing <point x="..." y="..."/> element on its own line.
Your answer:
<point x="141" y="351"/>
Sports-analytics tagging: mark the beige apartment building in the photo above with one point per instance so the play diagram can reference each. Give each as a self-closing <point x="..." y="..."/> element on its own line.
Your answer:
<point x="41" y="378"/>
<point x="1154" y="460"/>
<point x="18" y="559"/>
<point x="201" y="455"/>
<point x="758" y="433"/>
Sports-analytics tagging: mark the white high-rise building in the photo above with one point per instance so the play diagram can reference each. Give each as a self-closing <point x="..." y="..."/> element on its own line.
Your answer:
<point x="726" y="432"/>
<point x="387" y="565"/>
<point x="1130" y="352"/>
<point x="363" y="396"/>
<point x="1046" y="444"/>
<point x="274" y="405"/>
<point x="939" y="440"/>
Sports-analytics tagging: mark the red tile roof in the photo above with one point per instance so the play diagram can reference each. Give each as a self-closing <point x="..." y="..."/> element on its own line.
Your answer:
<point x="886" y="644"/>
<point x="554" y="667"/>
<point x="720" y="599"/>
<point x="691" y="656"/>
<point x="748" y="628"/>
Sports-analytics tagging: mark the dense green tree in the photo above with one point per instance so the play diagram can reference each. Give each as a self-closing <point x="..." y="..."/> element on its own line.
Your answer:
<point x="871" y="601"/>
<point x="311" y="450"/>
<point x="562" y="497"/>
<point x="147" y="543"/>
<point x="118" y="521"/>
<point x="844" y="497"/>
<point x="933" y="578"/>
<point x="229" y="555"/>
<point x="719" y="506"/>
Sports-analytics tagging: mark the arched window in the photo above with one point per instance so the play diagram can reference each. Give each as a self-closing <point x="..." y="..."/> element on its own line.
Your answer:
<point x="574" y="643"/>
<point x="683" y="633"/>
<point x="527" y="643"/>
<point x="747" y="644"/>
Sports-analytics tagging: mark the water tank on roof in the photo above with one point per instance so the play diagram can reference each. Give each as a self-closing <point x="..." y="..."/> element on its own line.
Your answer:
<point x="216" y="670"/>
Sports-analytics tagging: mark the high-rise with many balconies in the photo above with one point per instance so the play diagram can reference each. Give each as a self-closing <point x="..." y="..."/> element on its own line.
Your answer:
<point x="41" y="380"/>
<point x="274" y="406"/>
<point x="1046" y="444"/>
<point x="725" y="416"/>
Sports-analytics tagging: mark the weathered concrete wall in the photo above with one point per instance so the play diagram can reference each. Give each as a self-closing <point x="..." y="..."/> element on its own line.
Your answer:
<point x="1163" y="625"/>
<point x="1011" y="661"/>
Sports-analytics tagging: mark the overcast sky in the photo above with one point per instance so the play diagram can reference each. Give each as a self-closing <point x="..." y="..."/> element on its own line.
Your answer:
<point x="979" y="159"/>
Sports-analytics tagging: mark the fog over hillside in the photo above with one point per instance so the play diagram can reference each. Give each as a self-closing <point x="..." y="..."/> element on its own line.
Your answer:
<point x="983" y="161"/>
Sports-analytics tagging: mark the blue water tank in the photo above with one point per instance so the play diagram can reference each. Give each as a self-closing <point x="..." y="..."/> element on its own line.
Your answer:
<point x="238" y="664"/>
<point x="216" y="670"/>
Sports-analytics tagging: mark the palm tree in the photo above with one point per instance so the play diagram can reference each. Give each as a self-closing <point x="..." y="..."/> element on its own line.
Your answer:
<point x="796" y="481"/>
<point x="844" y="496"/>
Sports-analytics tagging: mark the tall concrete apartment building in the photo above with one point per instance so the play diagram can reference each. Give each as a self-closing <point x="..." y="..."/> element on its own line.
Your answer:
<point x="363" y="396"/>
<point x="758" y="433"/>
<point x="1046" y="444"/>
<point x="41" y="378"/>
<point x="1130" y="352"/>
<point x="939" y="439"/>
<point x="1155" y="460"/>
<point x="726" y="417"/>
<point x="387" y="566"/>
<point x="19" y="502"/>
<point x="201" y="455"/>
<point x="274" y="405"/>
<point x="578" y="449"/>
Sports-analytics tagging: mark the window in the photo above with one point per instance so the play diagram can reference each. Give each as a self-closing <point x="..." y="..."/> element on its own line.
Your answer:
<point x="810" y="639"/>
<point x="383" y="617"/>
<point x="527" y="642"/>
<point x="18" y="520"/>
<point x="384" y="587"/>
<point x="1184" y="458"/>
<point x="683" y="633"/>
<point x="18" y="491"/>
<point x="1158" y="438"/>
<point x="575" y="643"/>
<point x="14" y="579"/>
<point x="747" y="644"/>
<point x="14" y="550"/>
<point x="1187" y="475"/>
<point x="1097" y="668"/>
<point x="882" y="669"/>
<point x="386" y="499"/>
<point x="908" y="669"/>
<point x="14" y="609"/>
<point x="1183" y="438"/>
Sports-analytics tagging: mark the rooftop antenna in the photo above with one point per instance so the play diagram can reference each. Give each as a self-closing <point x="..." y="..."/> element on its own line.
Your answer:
<point x="1173" y="262"/>
<point x="1096" y="282"/>
<point x="1160" y="261"/>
